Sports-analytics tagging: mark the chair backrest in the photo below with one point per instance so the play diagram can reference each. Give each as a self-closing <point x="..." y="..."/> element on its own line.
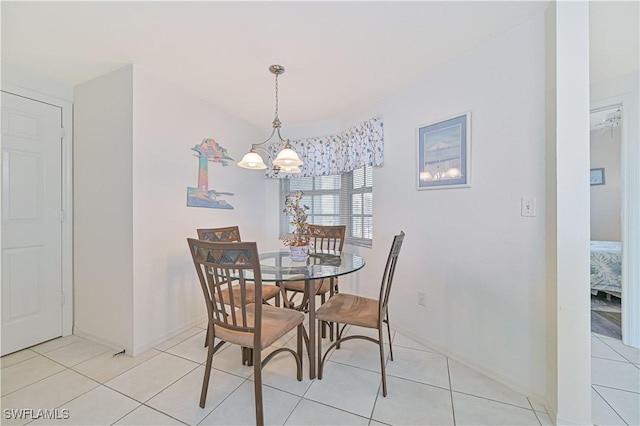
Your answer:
<point x="226" y="234"/>
<point x="215" y="262"/>
<point x="389" y="271"/>
<point x="327" y="237"/>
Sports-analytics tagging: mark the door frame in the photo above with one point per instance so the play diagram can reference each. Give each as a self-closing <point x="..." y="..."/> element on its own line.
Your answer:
<point x="630" y="174"/>
<point x="67" y="195"/>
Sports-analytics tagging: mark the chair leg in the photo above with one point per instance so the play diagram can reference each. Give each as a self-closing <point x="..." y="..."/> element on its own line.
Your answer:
<point x="247" y="356"/>
<point x="257" y="382"/>
<point x="299" y="348"/>
<point x="324" y="324"/>
<point x="206" y="338"/>
<point x="389" y="334"/>
<point x="382" y="369"/>
<point x="207" y="371"/>
<point x="319" y="357"/>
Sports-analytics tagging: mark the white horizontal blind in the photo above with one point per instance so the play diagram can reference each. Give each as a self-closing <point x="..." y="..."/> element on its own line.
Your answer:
<point x="360" y="207"/>
<point x="345" y="199"/>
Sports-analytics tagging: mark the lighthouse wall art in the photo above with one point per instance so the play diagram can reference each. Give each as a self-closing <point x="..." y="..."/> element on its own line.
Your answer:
<point x="209" y="151"/>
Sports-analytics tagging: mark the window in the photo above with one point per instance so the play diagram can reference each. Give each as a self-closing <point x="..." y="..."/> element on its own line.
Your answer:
<point x="345" y="199"/>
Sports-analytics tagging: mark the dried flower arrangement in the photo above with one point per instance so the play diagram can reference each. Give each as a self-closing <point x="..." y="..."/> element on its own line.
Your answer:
<point x="298" y="218"/>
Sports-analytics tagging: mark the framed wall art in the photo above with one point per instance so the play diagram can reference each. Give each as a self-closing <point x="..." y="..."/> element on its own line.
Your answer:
<point x="444" y="154"/>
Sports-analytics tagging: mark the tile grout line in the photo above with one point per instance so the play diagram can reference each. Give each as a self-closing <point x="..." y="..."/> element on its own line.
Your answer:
<point x="221" y="402"/>
<point x="151" y="408"/>
<point x="618" y="389"/>
<point x="607" y="402"/>
<point x="625" y="361"/>
<point x="614" y="349"/>
<point x="534" y="411"/>
<point x="453" y="410"/>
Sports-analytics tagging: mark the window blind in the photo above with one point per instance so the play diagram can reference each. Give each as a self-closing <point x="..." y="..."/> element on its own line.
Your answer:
<point x="345" y="199"/>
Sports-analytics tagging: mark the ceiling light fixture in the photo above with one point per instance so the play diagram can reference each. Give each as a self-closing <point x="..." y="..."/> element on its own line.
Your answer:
<point x="287" y="159"/>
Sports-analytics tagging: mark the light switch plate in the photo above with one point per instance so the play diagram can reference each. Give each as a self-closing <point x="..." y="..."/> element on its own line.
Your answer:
<point x="528" y="207"/>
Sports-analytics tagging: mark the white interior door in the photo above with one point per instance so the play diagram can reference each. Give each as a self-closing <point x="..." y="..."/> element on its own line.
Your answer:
<point x="31" y="222"/>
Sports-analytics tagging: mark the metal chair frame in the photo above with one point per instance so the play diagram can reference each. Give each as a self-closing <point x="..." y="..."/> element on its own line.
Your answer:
<point x="383" y="316"/>
<point x="214" y="263"/>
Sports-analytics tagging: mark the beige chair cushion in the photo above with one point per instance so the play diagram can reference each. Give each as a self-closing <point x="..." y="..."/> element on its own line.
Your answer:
<point x="268" y="292"/>
<point x="299" y="286"/>
<point x="276" y="322"/>
<point x="349" y="309"/>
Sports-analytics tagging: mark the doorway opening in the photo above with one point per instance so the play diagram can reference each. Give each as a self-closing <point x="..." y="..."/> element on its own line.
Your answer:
<point x="606" y="221"/>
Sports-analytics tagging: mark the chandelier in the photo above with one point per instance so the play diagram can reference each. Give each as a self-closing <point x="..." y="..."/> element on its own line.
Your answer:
<point x="287" y="159"/>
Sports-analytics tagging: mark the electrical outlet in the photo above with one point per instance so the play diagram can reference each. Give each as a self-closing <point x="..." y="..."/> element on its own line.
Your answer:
<point x="422" y="300"/>
<point x="528" y="207"/>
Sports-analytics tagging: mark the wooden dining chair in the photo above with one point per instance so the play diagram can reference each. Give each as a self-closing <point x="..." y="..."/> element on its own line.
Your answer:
<point x="348" y="309"/>
<point x="321" y="237"/>
<point x="247" y="324"/>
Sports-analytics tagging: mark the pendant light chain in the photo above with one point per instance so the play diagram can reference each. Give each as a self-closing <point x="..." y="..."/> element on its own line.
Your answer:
<point x="276" y="121"/>
<point x="287" y="159"/>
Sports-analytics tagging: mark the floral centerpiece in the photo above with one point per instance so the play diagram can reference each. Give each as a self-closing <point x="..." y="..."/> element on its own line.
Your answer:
<point x="298" y="240"/>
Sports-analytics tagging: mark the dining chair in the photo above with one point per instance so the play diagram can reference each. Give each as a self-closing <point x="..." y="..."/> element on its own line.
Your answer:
<point x="232" y="234"/>
<point x="348" y="309"/>
<point x="247" y="324"/>
<point x="321" y="237"/>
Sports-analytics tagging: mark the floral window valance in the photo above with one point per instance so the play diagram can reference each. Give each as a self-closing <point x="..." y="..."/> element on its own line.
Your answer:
<point x="361" y="145"/>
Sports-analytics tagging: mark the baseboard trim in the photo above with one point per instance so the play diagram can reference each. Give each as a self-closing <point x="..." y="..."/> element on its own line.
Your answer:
<point x="90" y="336"/>
<point x="141" y="348"/>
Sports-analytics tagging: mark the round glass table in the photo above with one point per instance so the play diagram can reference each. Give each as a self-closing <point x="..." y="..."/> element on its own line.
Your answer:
<point x="277" y="266"/>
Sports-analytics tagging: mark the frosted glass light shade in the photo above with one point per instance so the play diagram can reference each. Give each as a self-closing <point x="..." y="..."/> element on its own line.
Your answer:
<point x="287" y="158"/>
<point x="253" y="161"/>
<point x="290" y="169"/>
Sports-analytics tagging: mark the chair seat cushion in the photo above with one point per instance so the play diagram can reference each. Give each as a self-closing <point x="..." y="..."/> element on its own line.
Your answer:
<point x="268" y="292"/>
<point x="276" y="322"/>
<point x="299" y="286"/>
<point x="350" y="309"/>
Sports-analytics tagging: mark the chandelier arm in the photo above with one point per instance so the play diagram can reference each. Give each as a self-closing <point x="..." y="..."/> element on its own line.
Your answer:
<point x="256" y="145"/>
<point x="285" y="141"/>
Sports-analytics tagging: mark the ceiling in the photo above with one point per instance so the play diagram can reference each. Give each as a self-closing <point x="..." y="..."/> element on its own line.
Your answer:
<point x="339" y="56"/>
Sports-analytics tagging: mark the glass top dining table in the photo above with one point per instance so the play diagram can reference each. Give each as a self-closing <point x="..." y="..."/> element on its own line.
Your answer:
<point x="277" y="266"/>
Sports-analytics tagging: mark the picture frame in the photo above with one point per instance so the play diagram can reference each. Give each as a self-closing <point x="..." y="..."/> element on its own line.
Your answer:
<point x="444" y="153"/>
<point x="596" y="176"/>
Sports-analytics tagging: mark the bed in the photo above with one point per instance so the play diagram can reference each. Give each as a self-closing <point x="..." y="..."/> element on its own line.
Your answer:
<point x="606" y="267"/>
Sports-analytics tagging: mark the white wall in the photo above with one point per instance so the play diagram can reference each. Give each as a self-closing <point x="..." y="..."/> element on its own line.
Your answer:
<point x="606" y="199"/>
<point x="168" y="122"/>
<point x="18" y="76"/>
<point x="480" y="263"/>
<point x="103" y="206"/>
<point x="135" y="281"/>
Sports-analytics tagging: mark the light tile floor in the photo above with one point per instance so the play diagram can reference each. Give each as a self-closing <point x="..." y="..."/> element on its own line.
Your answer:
<point x="615" y="382"/>
<point x="162" y="386"/>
